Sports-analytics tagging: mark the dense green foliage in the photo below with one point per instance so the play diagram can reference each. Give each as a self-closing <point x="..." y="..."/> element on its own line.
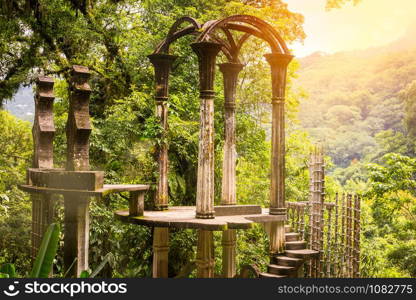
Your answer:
<point x="15" y="221"/>
<point x="113" y="39"/>
<point x="360" y="106"/>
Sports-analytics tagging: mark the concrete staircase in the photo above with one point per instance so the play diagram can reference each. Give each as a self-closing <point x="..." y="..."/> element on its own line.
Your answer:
<point x="289" y="263"/>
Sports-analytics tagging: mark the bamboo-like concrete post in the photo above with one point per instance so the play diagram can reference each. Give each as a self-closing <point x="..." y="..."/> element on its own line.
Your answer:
<point x="357" y="227"/>
<point x="336" y="233"/>
<point x="349" y="234"/>
<point x="205" y="262"/>
<point x="207" y="53"/>
<point x="328" y="257"/>
<point x="162" y="64"/>
<point x="230" y="73"/>
<point x="321" y="188"/>
<point x="343" y="236"/>
<point x="43" y="133"/>
<point x="278" y="65"/>
<point x="78" y="130"/>
<point x="160" y="252"/>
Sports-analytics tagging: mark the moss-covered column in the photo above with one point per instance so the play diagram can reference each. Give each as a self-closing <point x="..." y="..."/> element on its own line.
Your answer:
<point x="78" y="130"/>
<point x="278" y="64"/>
<point x="162" y="64"/>
<point x="207" y="53"/>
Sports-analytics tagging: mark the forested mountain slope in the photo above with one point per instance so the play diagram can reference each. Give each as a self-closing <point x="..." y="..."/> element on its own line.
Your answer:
<point x="355" y="97"/>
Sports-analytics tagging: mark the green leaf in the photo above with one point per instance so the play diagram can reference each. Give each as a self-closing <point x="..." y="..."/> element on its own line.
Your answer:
<point x="8" y="269"/>
<point x="3" y="275"/>
<point x="101" y="266"/>
<point x="47" y="252"/>
<point x="84" y="274"/>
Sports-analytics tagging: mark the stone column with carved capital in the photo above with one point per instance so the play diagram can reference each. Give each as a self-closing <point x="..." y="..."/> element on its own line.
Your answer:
<point x="278" y="65"/>
<point x="162" y="64"/>
<point x="230" y="73"/>
<point x="207" y="53"/>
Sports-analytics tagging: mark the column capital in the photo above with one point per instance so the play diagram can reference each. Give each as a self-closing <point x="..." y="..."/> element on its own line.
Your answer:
<point x="230" y="68"/>
<point x="162" y="64"/>
<point x="79" y="80"/>
<point x="207" y="53"/>
<point x="278" y="59"/>
<point x="206" y="49"/>
<point x="278" y="66"/>
<point x="162" y="58"/>
<point x="44" y="87"/>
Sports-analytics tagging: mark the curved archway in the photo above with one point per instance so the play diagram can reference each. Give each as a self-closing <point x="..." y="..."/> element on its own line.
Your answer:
<point x="256" y="27"/>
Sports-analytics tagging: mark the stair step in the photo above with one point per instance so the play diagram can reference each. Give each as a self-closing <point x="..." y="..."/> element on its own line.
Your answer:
<point x="295" y="245"/>
<point x="292" y="236"/>
<point x="280" y="270"/>
<point x="288" y="228"/>
<point x="303" y="253"/>
<point x="269" y="275"/>
<point x="287" y="261"/>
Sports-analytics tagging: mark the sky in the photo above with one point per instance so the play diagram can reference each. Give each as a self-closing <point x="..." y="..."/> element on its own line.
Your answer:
<point x="369" y="24"/>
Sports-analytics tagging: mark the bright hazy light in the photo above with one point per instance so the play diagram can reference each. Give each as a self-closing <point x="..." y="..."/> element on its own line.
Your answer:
<point x="371" y="23"/>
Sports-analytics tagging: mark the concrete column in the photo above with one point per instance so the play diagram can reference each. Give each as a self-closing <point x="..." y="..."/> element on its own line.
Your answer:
<point x="206" y="52"/>
<point x="229" y="253"/>
<point x="43" y="132"/>
<point x="162" y="64"/>
<point x="230" y="74"/>
<point x="160" y="252"/>
<point x="278" y="64"/>
<point x="78" y="130"/>
<point x="205" y="262"/>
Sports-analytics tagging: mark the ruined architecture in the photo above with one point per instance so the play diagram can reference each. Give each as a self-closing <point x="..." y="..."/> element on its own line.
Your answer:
<point x="289" y="250"/>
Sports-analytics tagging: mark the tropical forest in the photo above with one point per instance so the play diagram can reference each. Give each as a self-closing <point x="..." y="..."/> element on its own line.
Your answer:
<point x="350" y="112"/>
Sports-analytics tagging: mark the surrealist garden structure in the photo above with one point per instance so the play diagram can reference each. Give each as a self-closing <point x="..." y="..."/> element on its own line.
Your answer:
<point x="314" y="238"/>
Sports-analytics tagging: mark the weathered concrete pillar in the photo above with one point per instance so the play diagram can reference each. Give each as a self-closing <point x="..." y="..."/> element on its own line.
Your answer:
<point x="228" y="196"/>
<point x="78" y="130"/>
<point x="206" y="52"/>
<point x="205" y="262"/>
<point x="160" y="252"/>
<point x="162" y="64"/>
<point x="230" y="74"/>
<point x="278" y="64"/>
<point x="276" y="234"/>
<point x="43" y="132"/>
<point x="229" y="253"/>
